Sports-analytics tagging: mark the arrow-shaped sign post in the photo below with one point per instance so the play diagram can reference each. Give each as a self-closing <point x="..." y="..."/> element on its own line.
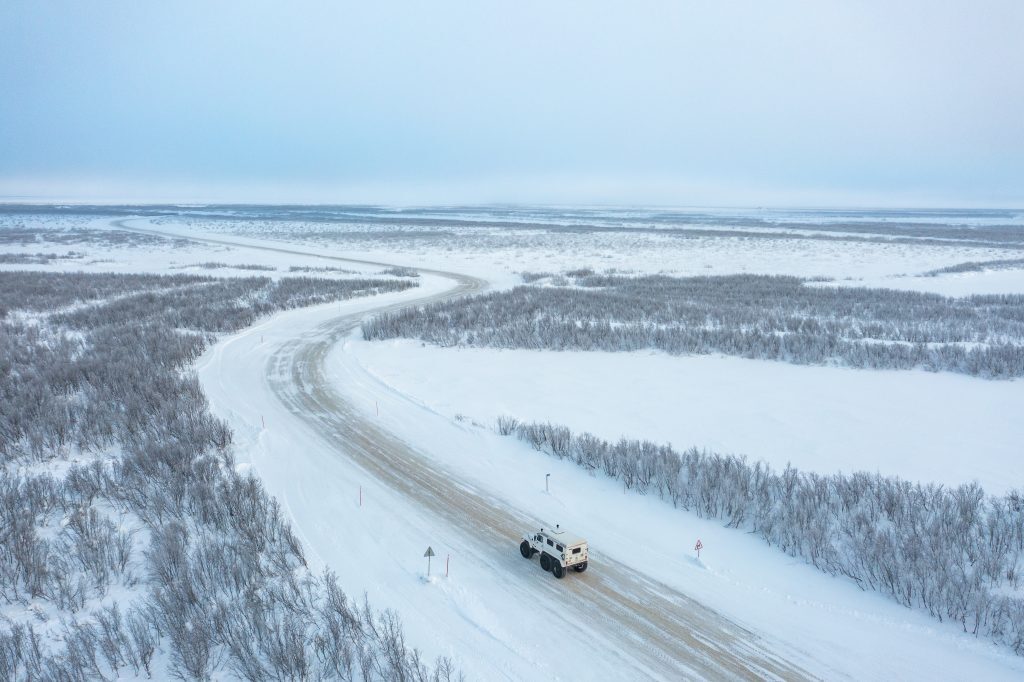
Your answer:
<point x="429" y="553"/>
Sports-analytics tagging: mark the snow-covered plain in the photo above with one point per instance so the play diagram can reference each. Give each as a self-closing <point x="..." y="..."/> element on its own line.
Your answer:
<point x="825" y="624"/>
<point x="498" y="254"/>
<point x="432" y="397"/>
<point x="443" y="401"/>
<point x="923" y="426"/>
<point x="166" y="256"/>
<point x="950" y="284"/>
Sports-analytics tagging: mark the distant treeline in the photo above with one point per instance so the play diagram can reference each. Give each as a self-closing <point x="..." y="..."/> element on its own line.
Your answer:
<point x="955" y="552"/>
<point x="158" y="557"/>
<point x="320" y="268"/>
<point x="177" y="300"/>
<point x="753" y="316"/>
<point x="47" y="291"/>
<point x="979" y="266"/>
<point x="35" y="258"/>
<point x="217" y="265"/>
<point x="21" y="235"/>
<point x="400" y="271"/>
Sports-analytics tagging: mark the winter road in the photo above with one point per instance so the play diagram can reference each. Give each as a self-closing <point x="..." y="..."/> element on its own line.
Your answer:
<point x="656" y="631"/>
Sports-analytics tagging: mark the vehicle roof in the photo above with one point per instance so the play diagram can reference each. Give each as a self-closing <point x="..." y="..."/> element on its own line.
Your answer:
<point x="563" y="537"/>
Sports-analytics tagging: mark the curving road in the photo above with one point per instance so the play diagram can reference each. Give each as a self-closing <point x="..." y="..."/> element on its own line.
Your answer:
<point x="656" y="630"/>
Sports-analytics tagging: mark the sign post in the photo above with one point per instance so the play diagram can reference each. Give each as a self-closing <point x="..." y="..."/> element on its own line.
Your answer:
<point x="699" y="546"/>
<point x="546" y="488"/>
<point x="429" y="553"/>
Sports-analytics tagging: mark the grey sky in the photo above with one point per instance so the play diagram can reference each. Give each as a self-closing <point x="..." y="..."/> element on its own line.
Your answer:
<point x="740" y="103"/>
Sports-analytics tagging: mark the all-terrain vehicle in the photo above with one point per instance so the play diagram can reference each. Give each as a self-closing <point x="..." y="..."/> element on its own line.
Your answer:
<point x="558" y="550"/>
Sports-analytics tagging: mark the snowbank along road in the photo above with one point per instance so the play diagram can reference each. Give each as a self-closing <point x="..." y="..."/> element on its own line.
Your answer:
<point x="657" y="631"/>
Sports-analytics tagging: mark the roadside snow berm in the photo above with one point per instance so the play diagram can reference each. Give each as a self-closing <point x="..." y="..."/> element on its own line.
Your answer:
<point x="558" y="550"/>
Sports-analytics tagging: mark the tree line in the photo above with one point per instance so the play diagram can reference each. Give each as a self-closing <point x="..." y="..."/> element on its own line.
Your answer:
<point x="955" y="552"/>
<point x="978" y="266"/>
<point x="754" y="316"/>
<point x="36" y="258"/>
<point x="18" y="233"/>
<point x="34" y="291"/>
<point x="241" y="300"/>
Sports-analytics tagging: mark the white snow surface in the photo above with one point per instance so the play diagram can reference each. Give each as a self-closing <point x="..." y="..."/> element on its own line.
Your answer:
<point x="174" y="257"/>
<point x="1010" y="281"/>
<point x="497" y="258"/>
<point x="922" y="426"/>
<point x="825" y="624"/>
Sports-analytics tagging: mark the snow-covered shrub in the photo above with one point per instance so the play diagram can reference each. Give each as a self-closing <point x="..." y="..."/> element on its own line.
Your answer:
<point x="157" y="558"/>
<point x="753" y="316"/>
<point x="399" y="271"/>
<point x="954" y="552"/>
<point x="978" y="266"/>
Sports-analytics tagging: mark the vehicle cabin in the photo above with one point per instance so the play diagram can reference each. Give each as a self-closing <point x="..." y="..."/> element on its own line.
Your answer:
<point x="558" y="550"/>
<point x="561" y="542"/>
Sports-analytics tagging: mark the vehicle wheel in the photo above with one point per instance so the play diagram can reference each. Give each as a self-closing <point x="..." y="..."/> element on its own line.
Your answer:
<point x="557" y="569"/>
<point x="579" y="568"/>
<point x="524" y="549"/>
<point x="545" y="562"/>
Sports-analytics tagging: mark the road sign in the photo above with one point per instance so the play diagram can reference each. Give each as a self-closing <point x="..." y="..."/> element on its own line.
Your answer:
<point x="429" y="553"/>
<point x="699" y="546"/>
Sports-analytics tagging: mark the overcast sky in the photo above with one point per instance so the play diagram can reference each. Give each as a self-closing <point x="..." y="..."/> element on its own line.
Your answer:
<point x="682" y="103"/>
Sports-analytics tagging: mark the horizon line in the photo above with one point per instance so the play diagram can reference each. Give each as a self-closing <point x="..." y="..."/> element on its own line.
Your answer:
<point x="8" y="201"/>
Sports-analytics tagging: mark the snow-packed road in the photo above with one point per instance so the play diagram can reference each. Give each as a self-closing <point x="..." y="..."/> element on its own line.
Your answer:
<point x="612" y="614"/>
<point x="668" y="632"/>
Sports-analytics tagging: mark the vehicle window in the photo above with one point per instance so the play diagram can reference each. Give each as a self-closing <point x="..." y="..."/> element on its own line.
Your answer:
<point x="560" y="548"/>
<point x="551" y="543"/>
<point x="577" y="550"/>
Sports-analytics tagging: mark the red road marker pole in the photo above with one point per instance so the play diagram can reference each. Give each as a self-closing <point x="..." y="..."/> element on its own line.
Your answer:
<point x="447" y="559"/>
<point x="360" y="496"/>
<point x="262" y="419"/>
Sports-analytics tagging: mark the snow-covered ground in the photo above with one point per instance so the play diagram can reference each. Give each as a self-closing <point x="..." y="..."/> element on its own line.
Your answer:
<point x="498" y="256"/>
<point x="825" y="624"/>
<point x="916" y="424"/>
<point x="171" y="256"/>
<point x="950" y="284"/>
<point x="929" y="427"/>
